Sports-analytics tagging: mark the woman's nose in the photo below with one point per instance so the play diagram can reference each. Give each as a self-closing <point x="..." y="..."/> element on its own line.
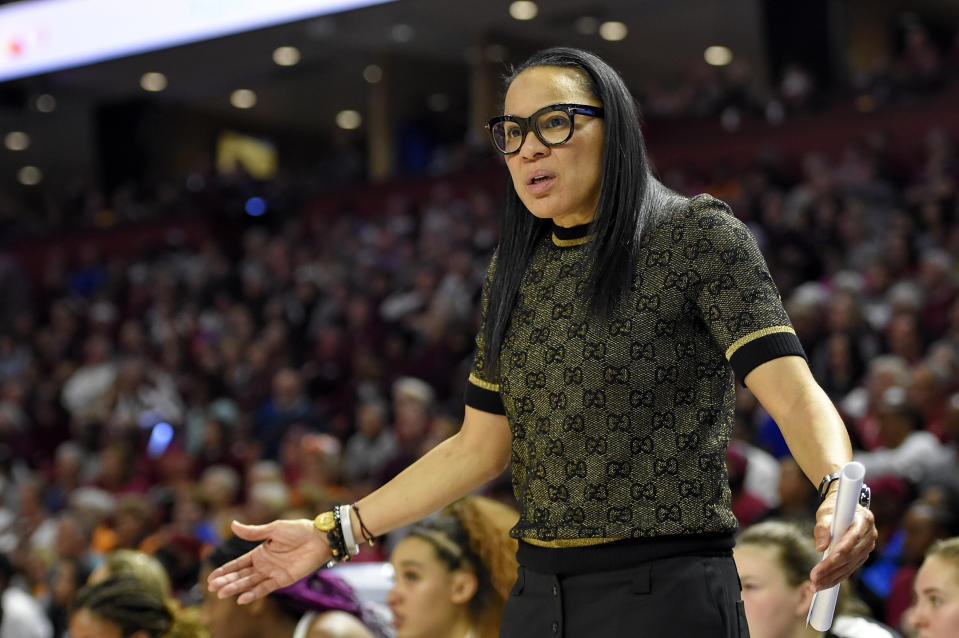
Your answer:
<point x="532" y="146"/>
<point x="918" y="617"/>
<point x="393" y="596"/>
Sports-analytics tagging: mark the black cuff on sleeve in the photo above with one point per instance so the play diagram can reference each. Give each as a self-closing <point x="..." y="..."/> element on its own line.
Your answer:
<point x="483" y="399"/>
<point x="763" y="349"/>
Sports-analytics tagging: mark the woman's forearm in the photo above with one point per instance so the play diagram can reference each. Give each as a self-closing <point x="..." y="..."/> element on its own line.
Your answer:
<point x="813" y="430"/>
<point x="478" y="453"/>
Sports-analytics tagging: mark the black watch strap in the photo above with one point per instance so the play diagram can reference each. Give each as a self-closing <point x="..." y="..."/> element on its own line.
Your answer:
<point x="825" y="483"/>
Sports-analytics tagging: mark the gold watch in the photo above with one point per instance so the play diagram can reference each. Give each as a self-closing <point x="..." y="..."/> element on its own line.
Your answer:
<point x="325" y="522"/>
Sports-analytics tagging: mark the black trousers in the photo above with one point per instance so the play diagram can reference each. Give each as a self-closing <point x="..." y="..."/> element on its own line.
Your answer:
<point x="680" y="597"/>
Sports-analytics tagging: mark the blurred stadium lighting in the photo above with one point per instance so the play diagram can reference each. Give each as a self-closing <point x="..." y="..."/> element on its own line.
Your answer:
<point x="523" y="10"/>
<point x="613" y="31"/>
<point x="153" y="82"/>
<point x="349" y="120"/>
<point x="718" y="55"/>
<point x="29" y="176"/>
<point x="373" y="74"/>
<point x="45" y="103"/>
<point x="16" y="141"/>
<point x="286" y="56"/>
<point x="243" y="99"/>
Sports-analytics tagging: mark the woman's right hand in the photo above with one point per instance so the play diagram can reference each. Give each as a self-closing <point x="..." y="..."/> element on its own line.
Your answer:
<point x="290" y="551"/>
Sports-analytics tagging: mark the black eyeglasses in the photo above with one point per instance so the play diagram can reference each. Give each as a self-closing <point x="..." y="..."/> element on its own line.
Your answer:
<point x="552" y="124"/>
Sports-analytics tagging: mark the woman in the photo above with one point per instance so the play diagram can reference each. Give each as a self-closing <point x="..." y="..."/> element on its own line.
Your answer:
<point x="774" y="560"/>
<point x="454" y="572"/>
<point x="936" y="610"/>
<point x="122" y="607"/>
<point x="137" y="565"/>
<point x="319" y="606"/>
<point x="614" y="315"/>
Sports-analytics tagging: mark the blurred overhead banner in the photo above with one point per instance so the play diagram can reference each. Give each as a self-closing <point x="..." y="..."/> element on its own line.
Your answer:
<point x="46" y="35"/>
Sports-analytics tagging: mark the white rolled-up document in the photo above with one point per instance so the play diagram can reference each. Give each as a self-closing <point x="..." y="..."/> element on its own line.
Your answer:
<point x="823" y="605"/>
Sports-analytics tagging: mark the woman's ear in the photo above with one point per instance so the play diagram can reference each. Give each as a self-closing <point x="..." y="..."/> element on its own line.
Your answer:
<point x="806" y="591"/>
<point x="464" y="586"/>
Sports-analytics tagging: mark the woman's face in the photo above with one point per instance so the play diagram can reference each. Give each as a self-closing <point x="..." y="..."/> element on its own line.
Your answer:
<point x="774" y="608"/>
<point x="573" y="170"/>
<point x="86" y="624"/>
<point x="936" y="612"/>
<point x="423" y="591"/>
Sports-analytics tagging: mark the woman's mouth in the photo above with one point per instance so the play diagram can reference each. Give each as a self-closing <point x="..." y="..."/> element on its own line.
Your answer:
<point x="540" y="182"/>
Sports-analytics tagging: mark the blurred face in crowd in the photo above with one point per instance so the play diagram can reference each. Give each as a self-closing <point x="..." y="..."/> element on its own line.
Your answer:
<point x="427" y="599"/>
<point x="567" y="177"/>
<point x="774" y="607"/>
<point x="936" y="589"/>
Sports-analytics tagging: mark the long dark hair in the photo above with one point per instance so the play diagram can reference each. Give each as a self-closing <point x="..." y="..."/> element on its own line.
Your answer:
<point x="629" y="195"/>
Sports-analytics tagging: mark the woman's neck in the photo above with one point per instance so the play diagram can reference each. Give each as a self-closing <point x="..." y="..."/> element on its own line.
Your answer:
<point x="806" y="631"/>
<point x="462" y="628"/>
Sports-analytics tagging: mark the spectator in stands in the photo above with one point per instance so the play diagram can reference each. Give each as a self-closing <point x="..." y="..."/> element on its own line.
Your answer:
<point x="86" y="393"/>
<point x="288" y="405"/>
<point x="453" y="572"/>
<point x="373" y="444"/>
<point x="863" y="404"/>
<point x="774" y="560"/>
<point x="73" y="541"/>
<point x="412" y="410"/>
<point x="928" y="384"/>
<point x="747" y="507"/>
<point x="67" y="578"/>
<point x="906" y="449"/>
<point x="21" y="616"/>
<point x="797" y="498"/>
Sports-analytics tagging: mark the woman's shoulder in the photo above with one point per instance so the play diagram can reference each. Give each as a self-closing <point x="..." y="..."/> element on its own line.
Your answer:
<point x="860" y="627"/>
<point x="704" y="207"/>
<point x="690" y="219"/>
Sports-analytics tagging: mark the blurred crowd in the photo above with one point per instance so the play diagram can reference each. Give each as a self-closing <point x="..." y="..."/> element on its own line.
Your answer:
<point x="922" y="61"/>
<point x="282" y="365"/>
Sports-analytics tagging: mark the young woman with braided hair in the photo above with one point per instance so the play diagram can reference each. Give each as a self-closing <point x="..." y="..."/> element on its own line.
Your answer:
<point x="453" y="572"/>
<point x="124" y="607"/>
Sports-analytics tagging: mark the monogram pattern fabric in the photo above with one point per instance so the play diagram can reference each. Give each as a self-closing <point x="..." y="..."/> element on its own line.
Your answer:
<point x="620" y="426"/>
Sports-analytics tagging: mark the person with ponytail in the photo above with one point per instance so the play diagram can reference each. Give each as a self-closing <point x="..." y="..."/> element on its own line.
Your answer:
<point x="123" y="607"/>
<point x="453" y="572"/>
<point x="616" y="317"/>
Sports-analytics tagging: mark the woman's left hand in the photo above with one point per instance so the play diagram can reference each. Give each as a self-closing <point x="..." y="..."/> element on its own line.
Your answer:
<point x="850" y="552"/>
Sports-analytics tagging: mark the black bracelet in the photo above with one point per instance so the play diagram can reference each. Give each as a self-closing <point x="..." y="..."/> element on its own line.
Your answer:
<point x="335" y="538"/>
<point x="825" y="483"/>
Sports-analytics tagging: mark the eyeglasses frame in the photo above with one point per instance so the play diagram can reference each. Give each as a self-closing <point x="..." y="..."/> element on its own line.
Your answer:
<point x="527" y="124"/>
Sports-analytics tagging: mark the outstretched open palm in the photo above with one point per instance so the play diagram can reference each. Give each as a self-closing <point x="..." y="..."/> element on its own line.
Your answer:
<point x="291" y="550"/>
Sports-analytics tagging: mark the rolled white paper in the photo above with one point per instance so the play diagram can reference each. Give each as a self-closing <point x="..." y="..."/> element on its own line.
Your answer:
<point x="823" y="605"/>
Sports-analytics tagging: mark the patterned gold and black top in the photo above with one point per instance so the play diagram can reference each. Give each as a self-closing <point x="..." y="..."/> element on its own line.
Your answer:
<point x="620" y="426"/>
